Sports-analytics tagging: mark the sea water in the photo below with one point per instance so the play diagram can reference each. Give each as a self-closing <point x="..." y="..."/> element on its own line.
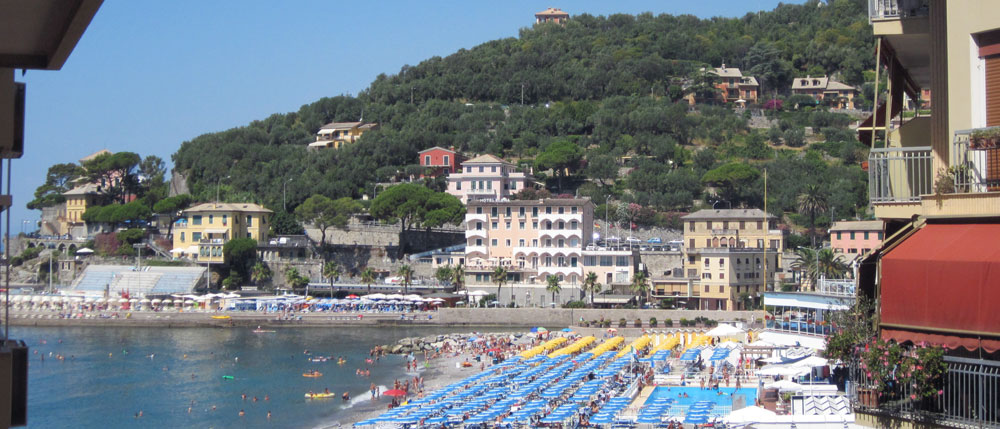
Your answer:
<point x="110" y="374"/>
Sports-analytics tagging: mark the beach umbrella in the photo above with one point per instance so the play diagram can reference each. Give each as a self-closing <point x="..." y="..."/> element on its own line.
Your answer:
<point x="375" y="296"/>
<point x="394" y="392"/>
<point x="785" y="386"/>
<point x="352" y="296"/>
<point x="725" y="330"/>
<point x="168" y="301"/>
<point x="567" y="330"/>
<point x="751" y="414"/>
<point x="84" y="251"/>
<point x="122" y="300"/>
<point x="155" y="301"/>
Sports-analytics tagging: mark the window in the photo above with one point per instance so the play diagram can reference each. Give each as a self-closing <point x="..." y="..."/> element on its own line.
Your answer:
<point x="479" y="242"/>
<point x="507" y="242"/>
<point x="489" y="184"/>
<point x="722" y="262"/>
<point x="573" y="210"/>
<point x="573" y="225"/>
<point x="427" y="160"/>
<point x="572" y="261"/>
<point x="706" y="262"/>
<point x="548" y="210"/>
<point x="520" y="211"/>
<point x="446" y="159"/>
<point x="839" y="235"/>
<point x="548" y="261"/>
<point x="879" y="235"/>
<point x="494" y="212"/>
<point x="691" y="227"/>
<point x="520" y="225"/>
<point x="534" y="211"/>
<point x="866" y="235"/>
<point x="561" y="261"/>
<point x="760" y="224"/>
<point x="562" y="243"/>
<point x="534" y="225"/>
<point x="493" y="169"/>
<point x="182" y="237"/>
<point x="225" y="219"/>
<point x="507" y="212"/>
<point x="249" y="236"/>
<point x="249" y="221"/>
<point x="513" y="186"/>
<point x="196" y="220"/>
<point x="722" y="276"/>
<point x="534" y="242"/>
<point x="211" y="219"/>
<point x="548" y="243"/>
<point x="760" y="243"/>
<point x="562" y="210"/>
<point x="508" y="224"/>
<point x="195" y="236"/>
<point x="520" y="242"/>
<point x="708" y="224"/>
<point x="691" y="243"/>
<point x="493" y="242"/>
<point x="706" y="287"/>
<point x="743" y="224"/>
<point x="708" y="242"/>
<point x="480" y="168"/>
<point x="852" y="250"/>
<point x="725" y="224"/>
<point x="721" y="288"/>
<point x="589" y="261"/>
<point x="561" y="225"/>
<point x="479" y="226"/>
<point x="621" y="261"/>
<point x="574" y="242"/>
<point x="606" y="261"/>
<point x="852" y="235"/>
<point x="495" y="225"/>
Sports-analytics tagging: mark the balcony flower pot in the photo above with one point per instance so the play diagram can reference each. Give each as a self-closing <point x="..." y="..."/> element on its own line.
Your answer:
<point x="868" y="397"/>
<point x="985" y="139"/>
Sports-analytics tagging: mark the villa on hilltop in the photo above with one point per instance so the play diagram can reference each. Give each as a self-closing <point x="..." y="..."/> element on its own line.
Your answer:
<point x="487" y="177"/>
<point x="734" y="86"/>
<point x="822" y="88"/>
<point x="336" y="134"/>
<point x="555" y="15"/>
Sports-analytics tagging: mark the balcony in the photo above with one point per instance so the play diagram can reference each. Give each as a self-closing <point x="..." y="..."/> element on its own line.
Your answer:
<point x="552" y="233"/>
<point x="476" y="217"/>
<point x="725" y="232"/>
<point x="475" y="249"/>
<point x="565" y="217"/>
<point x="475" y="233"/>
<point x="895" y="9"/>
<point x="975" y="161"/>
<point x="899" y="174"/>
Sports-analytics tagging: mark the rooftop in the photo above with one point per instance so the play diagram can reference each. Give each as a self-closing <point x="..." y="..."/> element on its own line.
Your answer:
<point x="810" y="82"/>
<point x="228" y="207"/>
<point x="437" y="148"/>
<point x="727" y="71"/>
<point x="544" y="202"/>
<point x="858" y="225"/>
<point x="552" y="12"/>
<point x="347" y="125"/>
<point x="89" y="188"/>
<point x="486" y="159"/>
<point x="712" y="214"/>
<point x="95" y="155"/>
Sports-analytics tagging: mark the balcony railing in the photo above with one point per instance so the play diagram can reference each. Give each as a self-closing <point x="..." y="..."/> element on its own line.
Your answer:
<point x="888" y="9"/>
<point x="836" y="287"/>
<point x="975" y="163"/>
<point x="801" y="327"/>
<point x="968" y="396"/>
<point x="899" y="174"/>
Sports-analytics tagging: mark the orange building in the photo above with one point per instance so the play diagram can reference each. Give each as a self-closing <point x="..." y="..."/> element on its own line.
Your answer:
<point x="551" y="15"/>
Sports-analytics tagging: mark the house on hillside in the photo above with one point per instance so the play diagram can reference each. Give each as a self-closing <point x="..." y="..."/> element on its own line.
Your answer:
<point x="857" y="237"/>
<point x="336" y="134"/>
<point x="440" y="160"/>
<point x="487" y="177"/>
<point x="555" y="15"/>
<point x="204" y="229"/>
<point x="837" y="94"/>
<point x="734" y="86"/>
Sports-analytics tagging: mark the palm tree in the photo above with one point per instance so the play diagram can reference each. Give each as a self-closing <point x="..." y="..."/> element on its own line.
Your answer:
<point x="640" y="285"/>
<point x="260" y="273"/>
<point x="818" y="263"/>
<point x="331" y="271"/>
<point x="407" y="274"/>
<point x="552" y="285"/>
<point x="591" y="285"/>
<point x="499" y="276"/>
<point x="813" y="200"/>
<point x="458" y="277"/>
<point x="830" y="265"/>
<point x="368" y="277"/>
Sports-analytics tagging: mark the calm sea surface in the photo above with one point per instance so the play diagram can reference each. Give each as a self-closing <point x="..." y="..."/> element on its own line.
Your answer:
<point x="108" y="375"/>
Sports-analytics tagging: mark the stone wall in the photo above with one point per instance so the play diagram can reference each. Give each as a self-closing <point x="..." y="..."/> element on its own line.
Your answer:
<point x="659" y="262"/>
<point x="555" y="317"/>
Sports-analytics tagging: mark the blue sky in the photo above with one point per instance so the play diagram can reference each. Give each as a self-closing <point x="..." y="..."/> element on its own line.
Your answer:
<point x="147" y="76"/>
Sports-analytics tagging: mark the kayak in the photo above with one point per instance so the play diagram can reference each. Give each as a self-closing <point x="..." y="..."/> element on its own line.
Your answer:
<point x="320" y="395"/>
<point x="221" y="317"/>
<point x="312" y="374"/>
<point x="227" y="377"/>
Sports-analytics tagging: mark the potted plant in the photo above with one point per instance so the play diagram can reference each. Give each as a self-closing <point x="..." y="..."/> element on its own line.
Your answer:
<point x="684" y="322"/>
<point x="668" y="323"/>
<point x="638" y="322"/>
<point x="622" y="322"/>
<point x="652" y="322"/>
<point x="987" y="138"/>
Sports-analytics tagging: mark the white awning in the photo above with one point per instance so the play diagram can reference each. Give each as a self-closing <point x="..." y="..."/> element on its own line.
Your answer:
<point x="321" y="143"/>
<point x="788" y="339"/>
<point x="804" y="300"/>
<point x="216" y="231"/>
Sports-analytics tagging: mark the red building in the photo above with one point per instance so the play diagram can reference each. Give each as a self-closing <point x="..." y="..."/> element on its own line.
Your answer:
<point x="441" y="160"/>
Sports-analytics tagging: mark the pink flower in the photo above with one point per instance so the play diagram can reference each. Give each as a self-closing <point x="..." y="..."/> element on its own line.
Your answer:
<point x="886" y="353"/>
<point x="869" y="374"/>
<point x="913" y="396"/>
<point x="919" y="367"/>
<point x="940" y="392"/>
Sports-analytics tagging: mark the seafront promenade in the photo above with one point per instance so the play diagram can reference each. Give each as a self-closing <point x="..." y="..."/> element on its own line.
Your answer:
<point x="452" y="317"/>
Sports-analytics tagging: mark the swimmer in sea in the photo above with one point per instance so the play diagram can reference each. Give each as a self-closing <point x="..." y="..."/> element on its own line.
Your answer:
<point x="269" y="414"/>
<point x="242" y="413"/>
<point x="267" y="398"/>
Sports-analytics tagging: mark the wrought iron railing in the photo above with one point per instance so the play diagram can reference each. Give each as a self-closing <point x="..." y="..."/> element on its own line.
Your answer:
<point x="975" y="162"/>
<point x="885" y="9"/>
<point x="969" y="397"/>
<point x="899" y="174"/>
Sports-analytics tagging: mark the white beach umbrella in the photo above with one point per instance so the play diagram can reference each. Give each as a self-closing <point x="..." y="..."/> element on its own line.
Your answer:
<point x="167" y="301"/>
<point x="122" y="300"/>
<point x="133" y="300"/>
<point x="145" y="300"/>
<point x="751" y="414"/>
<point x="785" y="386"/>
<point x="375" y="296"/>
<point x="155" y="301"/>
<point x="725" y="330"/>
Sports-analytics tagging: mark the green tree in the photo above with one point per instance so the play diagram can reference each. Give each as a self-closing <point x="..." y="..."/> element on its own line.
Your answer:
<point x="731" y="181"/>
<point x="768" y="65"/>
<point x="284" y="223"/>
<point x="561" y="156"/>
<point x="332" y="271"/>
<point x="552" y="286"/>
<point x="59" y="179"/>
<point x="591" y="285"/>
<point x="343" y="209"/>
<point x="368" y="277"/>
<point x="603" y="168"/>
<point x="321" y="212"/>
<point x="813" y="264"/>
<point x="296" y="281"/>
<point x="260" y="273"/>
<point x="406" y="272"/>
<point x="240" y="255"/>
<point x="443" y="274"/>
<point x="115" y="173"/>
<point x="499" y="276"/>
<point x="153" y="171"/>
<point x="640" y="285"/>
<point x="412" y="204"/>
<point x="173" y="206"/>
<point x="813" y="200"/>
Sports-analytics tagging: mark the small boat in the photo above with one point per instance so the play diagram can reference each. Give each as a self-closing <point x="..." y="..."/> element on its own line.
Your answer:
<point x="320" y="395"/>
<point x="263" y="331"/>
<point x="312" y="374"/>
<point x="221" y="317"/>
<point x="227" y="377"/>
<point x="319" y="359"/>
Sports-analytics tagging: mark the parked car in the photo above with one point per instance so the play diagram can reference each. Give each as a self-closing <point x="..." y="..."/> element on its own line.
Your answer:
<point x="654" y="240"/>
<point x="633" y="240"/>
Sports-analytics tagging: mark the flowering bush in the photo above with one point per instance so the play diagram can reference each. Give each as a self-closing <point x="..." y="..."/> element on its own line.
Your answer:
<point x="890" y="366"/>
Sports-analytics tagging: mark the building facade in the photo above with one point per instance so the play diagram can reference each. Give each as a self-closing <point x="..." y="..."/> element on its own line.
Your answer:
<point x="336" y="134"/>
<point x="204" y="229"/>
<point x="854" y="238"/>
<point x="734" y="86"/>
<point x="728" y="253"/>
<point x="439" y="160"/>
<point x="487" y="177"/>
<point x="839" y="95"/>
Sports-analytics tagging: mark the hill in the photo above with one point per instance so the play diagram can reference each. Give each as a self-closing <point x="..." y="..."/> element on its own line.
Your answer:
<point x="612" y="86"/>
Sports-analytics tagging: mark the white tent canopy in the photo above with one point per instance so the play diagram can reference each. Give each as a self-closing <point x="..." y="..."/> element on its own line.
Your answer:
<point x="84" y="251"/>
<point x="751" y="414"/>
<point x="725" y="330"/>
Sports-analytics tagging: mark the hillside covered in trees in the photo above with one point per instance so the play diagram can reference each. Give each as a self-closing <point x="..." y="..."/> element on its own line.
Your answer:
<point x="609" y="87"/>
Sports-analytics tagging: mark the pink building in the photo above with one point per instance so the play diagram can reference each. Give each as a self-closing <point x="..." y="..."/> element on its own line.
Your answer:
<point x="855" y="238"/>
<point x="441" y="160"/>
<point x="487" y="177"/>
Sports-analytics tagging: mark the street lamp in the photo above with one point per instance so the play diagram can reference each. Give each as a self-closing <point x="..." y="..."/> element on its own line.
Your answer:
<point x="283" y="186"/>
<point x="138" y="260"/>
<point x="607" y="224"/>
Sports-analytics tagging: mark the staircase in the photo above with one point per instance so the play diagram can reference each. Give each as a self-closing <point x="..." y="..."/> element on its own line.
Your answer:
<point x="156" y="248"/>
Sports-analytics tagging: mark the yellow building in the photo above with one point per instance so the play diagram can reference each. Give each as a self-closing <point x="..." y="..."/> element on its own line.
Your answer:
<point x="204" y="229"/>
<point x="78" y="200"/>
<point x="932" y="166"/>
<point x="724" y="254"/>
<point x="337" y="134"/>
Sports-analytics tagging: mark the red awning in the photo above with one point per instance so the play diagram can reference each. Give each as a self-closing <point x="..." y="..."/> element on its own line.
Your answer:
<point x="942" y="285"/>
